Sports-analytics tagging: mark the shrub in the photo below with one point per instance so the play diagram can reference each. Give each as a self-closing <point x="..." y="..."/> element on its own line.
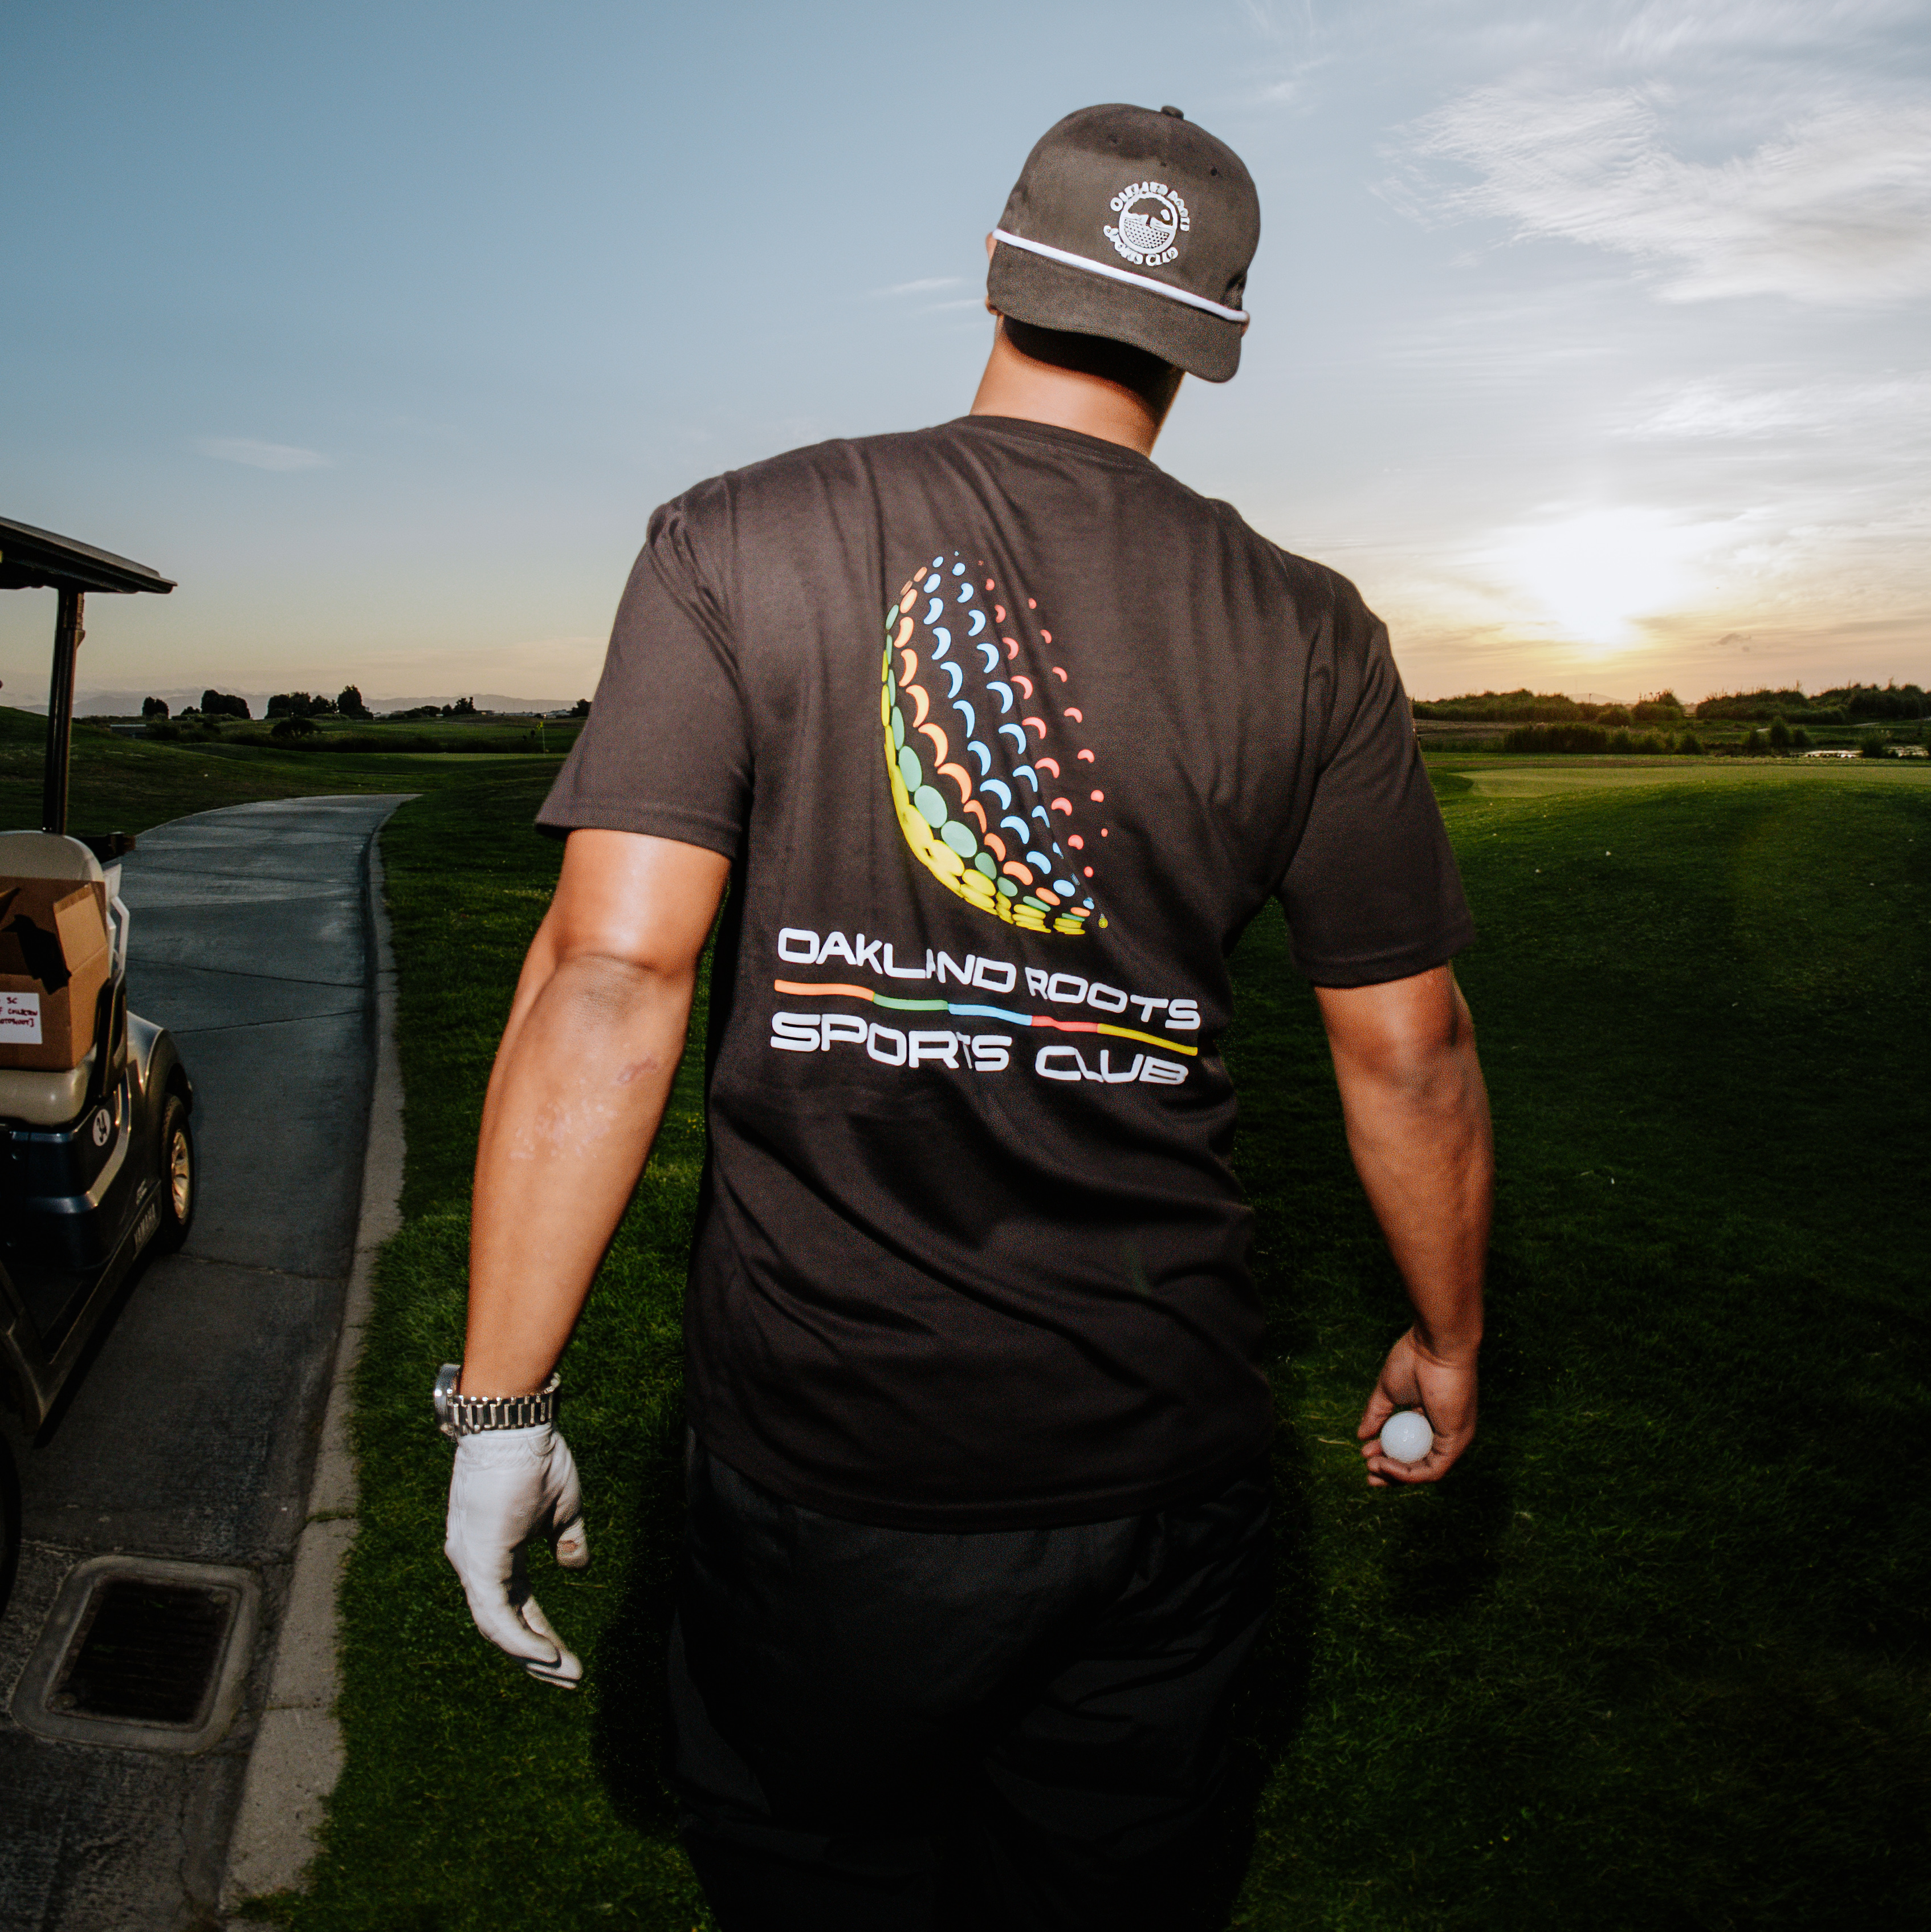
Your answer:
<point x="1746" y="705"/>
<point x="1690" y="743"/>
<point x="300" y="704"/>
<point x="1754" y="742"/>
<point x="1613" y="714"/>
<point x="376" y="741"/>
<point x="1621" y="741"/>
<point x="1867" y="700"/>
<point x="1557" y="738"/>
<point x="1800" y="739"/>
<point x="1649" y="742"/>
<point x="293" y="727"/>
<point x="1511" y="707"/>
<point x="1872" y="746"/>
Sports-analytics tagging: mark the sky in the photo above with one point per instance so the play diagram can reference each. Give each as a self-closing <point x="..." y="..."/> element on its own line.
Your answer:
<point x="1589" y="339"/>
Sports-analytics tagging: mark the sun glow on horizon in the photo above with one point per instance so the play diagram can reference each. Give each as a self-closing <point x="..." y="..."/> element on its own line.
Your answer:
<point x="1598" y="574"/>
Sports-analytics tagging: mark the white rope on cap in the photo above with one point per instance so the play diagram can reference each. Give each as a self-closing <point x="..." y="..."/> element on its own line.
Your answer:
<point x="1127" y="275"/>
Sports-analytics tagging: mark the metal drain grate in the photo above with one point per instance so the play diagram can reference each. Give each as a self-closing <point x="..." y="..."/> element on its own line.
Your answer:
<point x="146" y="1652"/>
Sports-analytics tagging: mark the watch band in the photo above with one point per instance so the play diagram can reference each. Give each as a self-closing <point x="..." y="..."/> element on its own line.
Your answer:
<point x="459" y="1415"/>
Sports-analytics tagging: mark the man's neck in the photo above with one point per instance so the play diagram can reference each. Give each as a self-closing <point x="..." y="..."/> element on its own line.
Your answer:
<point x="1015" y="384"/>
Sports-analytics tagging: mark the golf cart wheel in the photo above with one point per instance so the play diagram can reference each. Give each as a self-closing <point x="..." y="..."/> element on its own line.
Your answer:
<point x="180" y="1180"/>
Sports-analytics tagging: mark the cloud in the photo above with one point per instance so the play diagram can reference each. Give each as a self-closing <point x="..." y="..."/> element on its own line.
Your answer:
<point x="924" y="286"/>
<point x="1835" y="208"/>
<point x="262" y="455"/>
<point x="1724" y="411"/>
<point x="1666" y="29"/>
<point x="1263" y="18"/>
<point x="1750" y="43"/>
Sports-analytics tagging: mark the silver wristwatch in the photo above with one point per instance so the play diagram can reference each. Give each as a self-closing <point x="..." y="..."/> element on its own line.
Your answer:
<point x="457" y="1415"/>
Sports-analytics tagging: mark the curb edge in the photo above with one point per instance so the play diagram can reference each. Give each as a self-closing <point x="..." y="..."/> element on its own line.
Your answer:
<point x="298" y="1752"/>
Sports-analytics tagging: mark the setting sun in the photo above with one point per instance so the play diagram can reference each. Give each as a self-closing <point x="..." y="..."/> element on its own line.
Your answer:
<point x="1598" y="574"/>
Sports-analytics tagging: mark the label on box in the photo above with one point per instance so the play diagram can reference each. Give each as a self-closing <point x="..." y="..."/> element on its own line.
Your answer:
<point x="19" y="1019"/>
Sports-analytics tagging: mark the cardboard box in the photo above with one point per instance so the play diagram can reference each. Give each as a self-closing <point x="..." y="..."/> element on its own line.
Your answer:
<point x="54" y="960"/>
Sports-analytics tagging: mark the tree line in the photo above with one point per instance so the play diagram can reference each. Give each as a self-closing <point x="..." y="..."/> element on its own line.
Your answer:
<point x="1551" y="707"/>
<point x="1842" y="704"/>
<point x="347" y="702"/>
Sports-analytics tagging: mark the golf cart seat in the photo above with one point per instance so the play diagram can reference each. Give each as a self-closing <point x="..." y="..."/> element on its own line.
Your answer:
<point x="62" y="966"/>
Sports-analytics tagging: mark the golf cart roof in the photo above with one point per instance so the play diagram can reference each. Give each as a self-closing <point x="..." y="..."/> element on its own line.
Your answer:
<point x="32" y="559"/>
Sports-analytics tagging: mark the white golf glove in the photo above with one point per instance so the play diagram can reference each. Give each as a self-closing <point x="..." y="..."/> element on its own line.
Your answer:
<point x="509" y="1487"/>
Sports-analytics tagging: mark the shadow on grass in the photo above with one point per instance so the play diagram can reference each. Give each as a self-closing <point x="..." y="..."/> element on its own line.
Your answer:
<point x="1444" y="1555"/>
<point x="1446" y="1551"/>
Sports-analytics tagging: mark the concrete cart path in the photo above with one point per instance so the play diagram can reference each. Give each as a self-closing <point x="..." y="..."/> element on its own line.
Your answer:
<point x="193" y="1433"/>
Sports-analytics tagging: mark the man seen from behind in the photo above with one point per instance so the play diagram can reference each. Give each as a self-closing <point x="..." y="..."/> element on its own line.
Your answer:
<point x="990" y="740"/>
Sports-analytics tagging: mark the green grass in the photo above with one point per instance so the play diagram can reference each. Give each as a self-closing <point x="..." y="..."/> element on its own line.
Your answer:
<point x="468" y="1800"/>
<point x="485" y="733"/>
<point x="1543" y="778"/>
<point x="1656" y="1656"/>
<point x="127" y="784"/>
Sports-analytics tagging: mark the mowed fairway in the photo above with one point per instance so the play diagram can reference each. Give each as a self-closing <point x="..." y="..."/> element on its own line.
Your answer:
<point x="1655" y="1657"/>
<point x="1547" y="778"/>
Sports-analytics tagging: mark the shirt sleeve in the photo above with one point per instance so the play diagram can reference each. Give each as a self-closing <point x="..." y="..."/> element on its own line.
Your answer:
<point x="1373" y="893"/>
<point x="667" y="749"/>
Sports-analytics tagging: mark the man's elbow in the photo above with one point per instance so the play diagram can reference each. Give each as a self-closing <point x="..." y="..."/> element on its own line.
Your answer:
<point x="616" y="982"/>
<point x="1439" y="1078"/>
<point x="1411" y="1039"/>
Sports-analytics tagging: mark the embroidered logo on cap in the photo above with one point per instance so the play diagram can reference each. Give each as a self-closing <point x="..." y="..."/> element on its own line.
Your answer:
<point x="1151" y="217"/>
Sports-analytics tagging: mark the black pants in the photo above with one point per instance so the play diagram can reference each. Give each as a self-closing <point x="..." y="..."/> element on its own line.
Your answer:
<point x="912" y="1730"/>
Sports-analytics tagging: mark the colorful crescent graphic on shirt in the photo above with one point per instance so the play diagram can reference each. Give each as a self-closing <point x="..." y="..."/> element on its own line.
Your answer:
<point x="992" y="781"/>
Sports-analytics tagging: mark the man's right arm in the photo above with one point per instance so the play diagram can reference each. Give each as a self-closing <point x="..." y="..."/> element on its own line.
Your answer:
<point x="1417" y="1119"/>
<point x="595" y="1036"/>
<point x="595" y="1033"/>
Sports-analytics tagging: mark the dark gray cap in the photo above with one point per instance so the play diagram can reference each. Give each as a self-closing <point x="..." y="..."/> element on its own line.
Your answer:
<point x="1135" y="225"/>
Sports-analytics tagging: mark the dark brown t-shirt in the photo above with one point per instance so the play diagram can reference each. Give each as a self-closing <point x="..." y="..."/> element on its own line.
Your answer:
<point x="1008" y="735"/>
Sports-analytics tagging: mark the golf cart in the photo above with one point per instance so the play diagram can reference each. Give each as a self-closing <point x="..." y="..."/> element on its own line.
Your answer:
<point x="97" y="1159"/>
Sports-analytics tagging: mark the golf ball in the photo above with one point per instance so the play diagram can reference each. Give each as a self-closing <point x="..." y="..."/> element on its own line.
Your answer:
<point x="1406" y="1438"/>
